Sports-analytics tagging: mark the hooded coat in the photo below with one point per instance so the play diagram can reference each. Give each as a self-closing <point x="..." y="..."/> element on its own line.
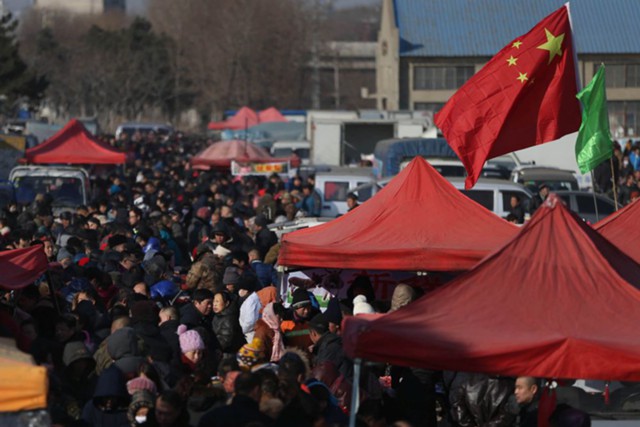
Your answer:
<point x="110" y="384"/>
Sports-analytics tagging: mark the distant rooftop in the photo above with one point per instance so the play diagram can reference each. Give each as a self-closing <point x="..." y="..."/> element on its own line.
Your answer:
<point x="483" y="27"/>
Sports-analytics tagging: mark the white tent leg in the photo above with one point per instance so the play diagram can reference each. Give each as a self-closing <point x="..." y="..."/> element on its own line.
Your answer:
<point x="355" y="393"/>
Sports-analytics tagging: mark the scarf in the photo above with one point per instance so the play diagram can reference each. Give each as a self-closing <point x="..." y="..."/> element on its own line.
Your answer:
<point x="188" y="363"/>
<point x="270" y="318"/>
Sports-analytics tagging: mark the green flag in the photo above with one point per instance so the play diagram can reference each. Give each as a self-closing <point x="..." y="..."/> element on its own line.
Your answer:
<point x="594" y="140"/>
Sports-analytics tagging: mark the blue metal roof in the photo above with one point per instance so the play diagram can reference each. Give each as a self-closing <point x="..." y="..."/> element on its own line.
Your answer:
<point x="454" y="28"/>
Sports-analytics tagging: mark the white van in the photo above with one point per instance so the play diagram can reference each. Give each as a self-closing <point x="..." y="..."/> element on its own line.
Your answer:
<point x="302" y="149"/>
<point x="494" y="194"/>
<point x="335" y="185"/>
<point x="494" y="168"/>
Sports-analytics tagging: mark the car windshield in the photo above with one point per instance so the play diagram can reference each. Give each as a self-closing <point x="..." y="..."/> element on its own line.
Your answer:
<point x="65" y="191"/>
<point x="282" y="152"/>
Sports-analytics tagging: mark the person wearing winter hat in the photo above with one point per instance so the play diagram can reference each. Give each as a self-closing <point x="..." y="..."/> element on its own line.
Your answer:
<point x="125" y="351"/>
<point x="402" y="295"/>
<point x="117" y="242"/>
<point x="141" y="406"/>
<point x="64" y="257"/>
<point x="333" y="314"/>
<point x="295" y="325"/>
<point x="250" y="306"/>
<point x="231" y="277"/>
<point x="110" y="401"/>
<point x="141" y="384"/>
<point x="300" y="299"/>
<point x="251" y="354"/>
<point x="191" y="346"/>
<point x="361" y="306"/>
<point x="79" y="371"/>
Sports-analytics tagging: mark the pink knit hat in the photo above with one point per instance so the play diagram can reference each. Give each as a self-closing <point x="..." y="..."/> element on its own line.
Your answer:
<point x="189" y="340"/>
<point x="141" y="383"/>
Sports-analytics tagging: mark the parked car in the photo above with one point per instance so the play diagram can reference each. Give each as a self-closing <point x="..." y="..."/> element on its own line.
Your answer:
<point x="369" y="189"/>
<point x="582" y="203"/>
<point x="285" y="149"/>
<point x="447" y="168"/>
<point x="495" y="194"/>
<point x="454" y="167"/>
<point x="556" y="179"/>
<point x="283" y="228"/>
<point x="335" y="185"/>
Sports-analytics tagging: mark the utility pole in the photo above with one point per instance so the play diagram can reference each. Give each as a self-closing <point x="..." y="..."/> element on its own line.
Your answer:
<point x="336" y="78"/>
<point x="318" y="18"/>
<point x="315" y="60"/>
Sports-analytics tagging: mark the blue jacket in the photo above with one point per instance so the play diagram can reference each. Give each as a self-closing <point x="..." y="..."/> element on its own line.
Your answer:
<point x="311" y="205"/>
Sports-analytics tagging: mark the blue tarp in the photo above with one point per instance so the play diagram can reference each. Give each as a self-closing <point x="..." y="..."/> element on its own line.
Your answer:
<point x="389" y="153"/>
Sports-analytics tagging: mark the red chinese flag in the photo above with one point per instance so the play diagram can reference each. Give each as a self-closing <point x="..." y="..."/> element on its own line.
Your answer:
<point x="21" y="267"/>
<point x="524" y="96"/>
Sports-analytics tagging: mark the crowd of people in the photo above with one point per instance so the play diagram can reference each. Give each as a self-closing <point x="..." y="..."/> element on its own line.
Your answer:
<point x="623" y="170"/>
<point x="160" y="308"/>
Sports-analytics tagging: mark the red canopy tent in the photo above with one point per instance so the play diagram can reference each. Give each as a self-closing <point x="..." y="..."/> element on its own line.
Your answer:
<point x="220" y="154"/>
<point x="271" y="115"/>
<point x="622" y="230"/>
<point x="75" y="145"/>
<point x="21" y="267"/>
<point x="557" y="301"/>
<point x="243" y="119"/>
<point x="417" y="222"/>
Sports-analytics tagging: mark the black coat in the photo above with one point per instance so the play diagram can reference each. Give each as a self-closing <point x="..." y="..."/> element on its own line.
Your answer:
<point x="242" y="411"/>
<point x="169" y="331"/>
<point x="226" y="328"/>
<point x="528" y="416"/>
<point x="481" y="400"/>
<point x="192" y="318"/>
<point x="157" y="346"/>
<point x="416" y="395"/>
<point x="329" y="349"/>
<point x="265" y="238"/>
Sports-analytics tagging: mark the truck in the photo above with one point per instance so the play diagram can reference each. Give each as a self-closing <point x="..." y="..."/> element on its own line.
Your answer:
<point x="67" y="186"/>
<point x="342" y="138"/>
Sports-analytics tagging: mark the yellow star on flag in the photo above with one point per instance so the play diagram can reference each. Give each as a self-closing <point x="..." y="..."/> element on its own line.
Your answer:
<point x="522" y="77"/>
<point x="517" y="44"/>
<point x="512" y="61"/>
<point x="553" y="45"/>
